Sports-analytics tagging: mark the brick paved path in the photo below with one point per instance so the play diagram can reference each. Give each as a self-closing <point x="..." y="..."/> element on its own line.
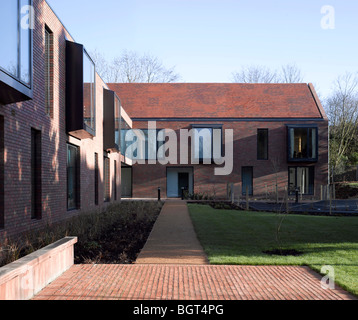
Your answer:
<point x="183" y="282"/>
<point x="173" y="266"/>
<point x="173" y="239"/>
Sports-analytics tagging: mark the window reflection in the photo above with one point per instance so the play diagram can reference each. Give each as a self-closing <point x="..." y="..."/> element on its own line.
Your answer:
<point x="89" y="91"/>
<point x="15" y="39"/>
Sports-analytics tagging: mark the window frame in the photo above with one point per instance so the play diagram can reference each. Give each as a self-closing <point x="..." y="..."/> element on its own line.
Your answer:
<point x="207" y="126"/>
<point x="89" y="129"/>
<point x="77" y="178"/>
<point x="19" y="90"/>
<point x="311" y="187"/>
<point x="309" y="145"/>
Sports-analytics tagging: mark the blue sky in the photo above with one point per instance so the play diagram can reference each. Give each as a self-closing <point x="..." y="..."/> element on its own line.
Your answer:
<point x="207" y="40"/>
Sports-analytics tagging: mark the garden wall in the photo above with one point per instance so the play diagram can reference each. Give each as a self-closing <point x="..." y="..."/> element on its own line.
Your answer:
<point x="24" y="278"/>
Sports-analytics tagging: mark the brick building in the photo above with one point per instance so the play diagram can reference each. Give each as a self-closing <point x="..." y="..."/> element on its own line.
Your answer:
<point x="280" y="133"/>
<point x="62" y="130"/>
<point x="59" y="155"/>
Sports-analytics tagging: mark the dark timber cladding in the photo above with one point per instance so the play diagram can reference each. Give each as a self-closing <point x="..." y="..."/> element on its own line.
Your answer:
<point x="109" y="118"/>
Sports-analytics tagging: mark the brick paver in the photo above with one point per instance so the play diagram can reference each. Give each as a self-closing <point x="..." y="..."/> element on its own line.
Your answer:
<point x="188" y="282"/>
<point x="173" y="266"/>
<point x="173" y="239"/>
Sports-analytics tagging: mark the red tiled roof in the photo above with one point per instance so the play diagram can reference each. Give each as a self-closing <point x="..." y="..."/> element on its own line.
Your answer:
<point x="217" y="100"/>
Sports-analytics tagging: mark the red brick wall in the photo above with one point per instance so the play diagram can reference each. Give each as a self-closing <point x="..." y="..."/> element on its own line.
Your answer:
<point x="147" y="178"/>
<point x="18" y="121"/>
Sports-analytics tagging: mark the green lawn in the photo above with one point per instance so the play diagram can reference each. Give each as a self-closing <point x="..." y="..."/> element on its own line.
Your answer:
<point x="237" y="237"/>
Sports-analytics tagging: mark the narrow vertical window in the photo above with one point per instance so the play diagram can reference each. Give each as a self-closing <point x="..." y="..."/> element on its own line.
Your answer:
<point x="115" y="180"/>
<point x="49" y="71"/>
<point x="36" y="175"/>
<point x="96" y="178"/>
<point x="73" y="182"/>
<point x="262" y="144"/>
<point x="2" y="175"/>
<point x="106" y="175"/>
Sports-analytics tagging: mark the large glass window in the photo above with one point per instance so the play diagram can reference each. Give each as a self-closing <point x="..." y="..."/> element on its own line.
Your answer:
<point x="207" y="142"/>
<point x="125" y="128"/>
<point x="303" y="144"/>
<point x="147" y="143"/>
<point x="89" y="92"/>
<point x="15" y="38"/>
<point x="301" y="179"/>
<point x="73" y="171"/>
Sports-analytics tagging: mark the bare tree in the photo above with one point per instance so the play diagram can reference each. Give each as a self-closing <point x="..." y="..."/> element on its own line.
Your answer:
<point x="289" y="73"/>
<point x="342" y="110"/>
<point x="255" y="74"/>
<point x="130" y="67"/>
<point x="101" y="63"/>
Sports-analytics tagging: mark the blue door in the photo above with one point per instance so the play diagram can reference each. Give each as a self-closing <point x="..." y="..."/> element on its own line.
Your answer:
<point x="247" y="180"/>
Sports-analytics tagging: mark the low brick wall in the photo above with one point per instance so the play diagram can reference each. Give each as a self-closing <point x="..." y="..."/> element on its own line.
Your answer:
<point x="24" y="278"/>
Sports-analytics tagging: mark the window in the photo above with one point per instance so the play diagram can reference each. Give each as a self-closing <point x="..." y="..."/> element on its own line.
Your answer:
<point x="106" y="175"/>
<point x="147" y="142"/>
<point x="89" y="92"/>
<point x="302" y="144"/>
<point x="2" y="176"/>
<point x="207" y="143"/>
<point x="302" y="180"/>
<point x="96" y="178"/>
<point x="49" y="71"/>
<point x="125" y="128"/>
<point x="36" y="175"/>
<point x="262" y="144"/>
<point x="73" y="177"/>
<point x="16" y="24"/>
<point x="16" y="38"/>
<point x="115" y="180"/>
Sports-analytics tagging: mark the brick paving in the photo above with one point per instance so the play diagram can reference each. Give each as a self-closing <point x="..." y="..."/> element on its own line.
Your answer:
<point x="173" y="266"/>
<point x="188" y="282"/>
<point x="173" y="239"/>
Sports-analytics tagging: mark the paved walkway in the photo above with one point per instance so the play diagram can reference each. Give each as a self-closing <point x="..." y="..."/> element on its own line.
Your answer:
<point x="173" y="266"/>
<point x="173" y="239"/>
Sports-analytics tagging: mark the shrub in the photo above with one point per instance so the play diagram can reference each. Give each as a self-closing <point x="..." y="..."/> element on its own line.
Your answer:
<point x="88" y="227"/>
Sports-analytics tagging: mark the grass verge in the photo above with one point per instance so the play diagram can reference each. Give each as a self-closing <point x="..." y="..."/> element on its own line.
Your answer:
<point x="240" y="238"/>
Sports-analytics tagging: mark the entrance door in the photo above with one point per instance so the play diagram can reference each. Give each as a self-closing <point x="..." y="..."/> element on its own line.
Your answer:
<point x="247" y="180"/>
<point x="178" y="178"/>
<point x="183" y="179"/>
